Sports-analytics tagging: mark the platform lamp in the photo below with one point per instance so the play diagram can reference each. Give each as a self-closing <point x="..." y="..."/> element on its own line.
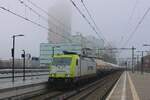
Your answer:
<point x="23" y="56"/>
<point x="53" y="49"/>
<point x="13" y="55"/>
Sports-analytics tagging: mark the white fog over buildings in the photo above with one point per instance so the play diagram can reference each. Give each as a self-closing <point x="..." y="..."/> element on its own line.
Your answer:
<point x="88" y="41"/>
<point x="61" y="25"/>
<point x="60" y="22"/>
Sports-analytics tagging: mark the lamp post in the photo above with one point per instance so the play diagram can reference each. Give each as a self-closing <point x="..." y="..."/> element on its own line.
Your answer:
<point x="146" y="45"/>
<point x="23" y="56"/>
<point x="132" y="59"/>
<point x="142" y="60"/>
<point x="13" y="55"/>
<point x="53" y="49"/>
<point x="137" y="63"/>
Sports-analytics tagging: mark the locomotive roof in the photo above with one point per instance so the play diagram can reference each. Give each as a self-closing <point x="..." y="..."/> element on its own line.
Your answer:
<point x="65" y="55"/>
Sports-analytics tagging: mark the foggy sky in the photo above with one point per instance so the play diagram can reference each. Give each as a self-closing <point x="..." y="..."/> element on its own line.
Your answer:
<point x="112" y="17"/>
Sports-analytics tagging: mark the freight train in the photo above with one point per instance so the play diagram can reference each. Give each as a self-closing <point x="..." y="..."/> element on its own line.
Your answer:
<point x="74" y="68"/>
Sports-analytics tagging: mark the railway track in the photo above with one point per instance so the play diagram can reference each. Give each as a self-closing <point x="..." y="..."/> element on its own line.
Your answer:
<point x="97" y="90"/>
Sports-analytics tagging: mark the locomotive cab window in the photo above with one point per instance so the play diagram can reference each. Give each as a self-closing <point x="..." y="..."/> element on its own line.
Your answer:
<point x="61" y="61"/>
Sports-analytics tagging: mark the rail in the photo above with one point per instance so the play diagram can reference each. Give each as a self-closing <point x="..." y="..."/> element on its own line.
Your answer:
<point x="102" y="85"/>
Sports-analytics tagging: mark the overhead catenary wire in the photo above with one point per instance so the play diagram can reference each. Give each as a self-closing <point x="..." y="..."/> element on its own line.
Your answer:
<point x="94" y="22"/>
<point x="133" y="10"/>
<point x="136" y="28"/>
<point x="130" y="17"/>
<point x="48" y="14"/>
<point x="89" y="14"/>
<point x="85" y="18"/>
<point x="41" y="16"/>
<point x="93" y="28"/>
<point x="34" y="11"/>
<point x="129" y="21"/>
<point x="33" y="22"/>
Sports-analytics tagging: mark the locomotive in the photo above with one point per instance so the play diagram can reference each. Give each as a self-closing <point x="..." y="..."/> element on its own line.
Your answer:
<point x="74" y="68"/>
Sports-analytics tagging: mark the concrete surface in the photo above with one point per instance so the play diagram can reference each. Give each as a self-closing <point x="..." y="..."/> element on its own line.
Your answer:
<point x="131" y="86"/>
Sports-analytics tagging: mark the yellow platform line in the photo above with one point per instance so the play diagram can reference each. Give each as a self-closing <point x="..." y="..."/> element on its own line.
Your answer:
<point x="123" y="96"/>
<point x="133" y="90"/>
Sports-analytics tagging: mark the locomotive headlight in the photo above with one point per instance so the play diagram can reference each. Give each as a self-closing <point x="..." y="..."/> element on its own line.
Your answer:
<point x="67" y="75"/>
<point x="53" y="74"/>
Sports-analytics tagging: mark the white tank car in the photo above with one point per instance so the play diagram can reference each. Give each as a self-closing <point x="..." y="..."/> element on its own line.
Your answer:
<point x="100" y="64"/>
<point x="104" y="66"/>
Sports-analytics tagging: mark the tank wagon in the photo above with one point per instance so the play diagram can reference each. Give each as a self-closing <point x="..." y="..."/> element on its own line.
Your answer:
<point x="104" y="68"/>
<point x="74" y="68"/>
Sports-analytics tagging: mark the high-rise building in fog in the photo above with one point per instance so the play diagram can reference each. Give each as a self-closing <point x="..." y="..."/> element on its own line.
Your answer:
<point x="60" y="23"/>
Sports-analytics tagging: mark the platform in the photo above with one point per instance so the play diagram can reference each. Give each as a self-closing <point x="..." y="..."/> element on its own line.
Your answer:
<point x="131" y="86"/>
<point x="18" y="83"/>
<point x="19" y="87"/>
